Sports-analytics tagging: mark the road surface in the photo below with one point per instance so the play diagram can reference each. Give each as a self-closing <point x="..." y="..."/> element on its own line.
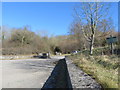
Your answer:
<point x="33" y="73"/>
<point x="28" y="73"/>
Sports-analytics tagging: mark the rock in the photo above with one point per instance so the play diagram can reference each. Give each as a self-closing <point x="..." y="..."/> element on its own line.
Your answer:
<point x="80" y="79"/>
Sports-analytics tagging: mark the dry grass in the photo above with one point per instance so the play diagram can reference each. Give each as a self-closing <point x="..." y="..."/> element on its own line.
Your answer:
<point x="103" y="68"/>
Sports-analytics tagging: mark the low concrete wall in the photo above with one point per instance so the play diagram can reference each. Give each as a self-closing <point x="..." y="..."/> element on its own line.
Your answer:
<point x="59" y="77"/>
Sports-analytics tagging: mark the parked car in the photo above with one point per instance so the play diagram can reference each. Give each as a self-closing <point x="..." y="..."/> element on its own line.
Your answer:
<point x="74" y="52"/>
<point x="44" y="55"/>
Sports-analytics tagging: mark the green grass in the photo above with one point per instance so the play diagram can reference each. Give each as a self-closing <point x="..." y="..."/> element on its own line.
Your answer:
<point x="103" y="68"/>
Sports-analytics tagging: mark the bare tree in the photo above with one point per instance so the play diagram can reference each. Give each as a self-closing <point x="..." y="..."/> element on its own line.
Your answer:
<point x="90" y="14"/>
<point x="76" y="34"/>
<point x="106" y="26"/>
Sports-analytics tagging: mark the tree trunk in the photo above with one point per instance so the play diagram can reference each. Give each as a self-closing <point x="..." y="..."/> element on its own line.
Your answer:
<point x="91" y="44"/>
<point x="3" y="37"/>
<point x="23" y="40"/>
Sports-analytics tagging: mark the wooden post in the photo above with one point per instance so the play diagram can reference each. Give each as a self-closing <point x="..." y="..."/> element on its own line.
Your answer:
<point x="112" y="51"/>
<point x="111" y="45"/>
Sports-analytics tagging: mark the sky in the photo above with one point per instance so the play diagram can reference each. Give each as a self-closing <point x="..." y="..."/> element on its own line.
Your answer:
<point x="52" y="17"/>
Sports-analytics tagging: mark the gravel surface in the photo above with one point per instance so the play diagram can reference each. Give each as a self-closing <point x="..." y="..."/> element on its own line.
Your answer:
<point x="80" y="79"/>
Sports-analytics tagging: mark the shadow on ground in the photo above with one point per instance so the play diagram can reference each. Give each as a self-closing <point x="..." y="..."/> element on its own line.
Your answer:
<point x="59" y="77"/>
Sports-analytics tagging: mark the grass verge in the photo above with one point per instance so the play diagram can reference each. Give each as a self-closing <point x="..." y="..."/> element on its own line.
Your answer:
<point x="103" y="68"/>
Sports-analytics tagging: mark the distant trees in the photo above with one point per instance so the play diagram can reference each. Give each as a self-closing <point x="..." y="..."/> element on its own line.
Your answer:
<point x="105" y="28"/>
<point x="57" y="49"/>
<point x="102" y="32"/>
<point x="24" y="41"/>
<point x="89" y="29"/>
<point x="89" y="15"/>
<point x="22" y="36"/>
<point x="76" y="34"/>
<point x="67" y="44"/>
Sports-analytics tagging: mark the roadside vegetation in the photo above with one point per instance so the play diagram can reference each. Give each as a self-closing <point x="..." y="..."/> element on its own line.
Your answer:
<point x="96" y="59"/>
<point x="89" y="30"/>
<point x="103" y="68"/>
<point x="87" y="35"/>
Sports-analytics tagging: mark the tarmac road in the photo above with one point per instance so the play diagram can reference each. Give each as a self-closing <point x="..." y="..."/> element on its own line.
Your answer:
<point x="33" y="73"/>
<point x="27" y="73"/>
